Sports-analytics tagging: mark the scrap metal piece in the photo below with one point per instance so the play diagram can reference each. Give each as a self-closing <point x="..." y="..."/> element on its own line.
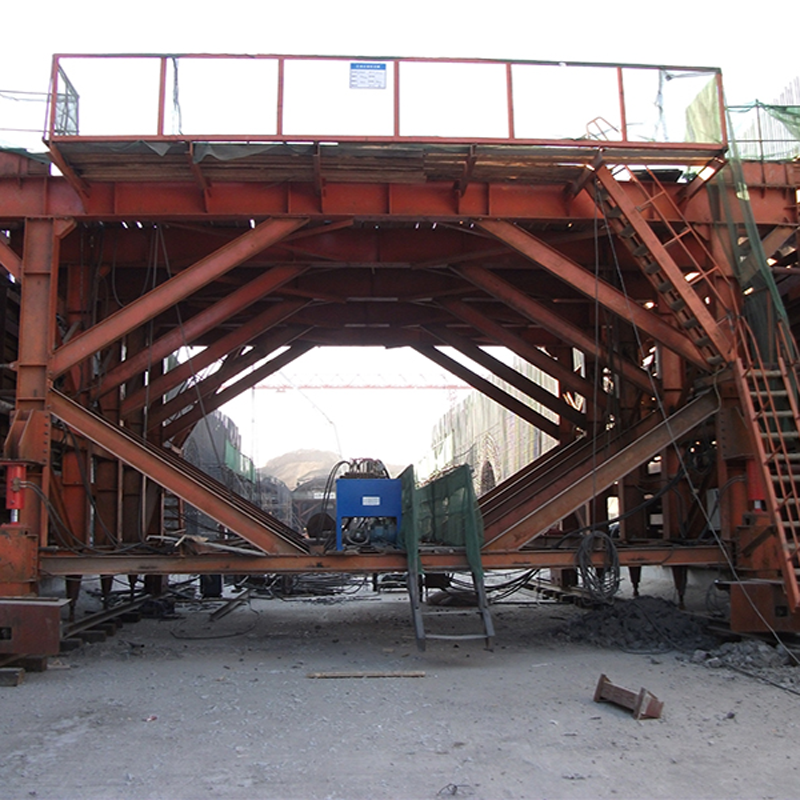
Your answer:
<point x="644" y="705"/>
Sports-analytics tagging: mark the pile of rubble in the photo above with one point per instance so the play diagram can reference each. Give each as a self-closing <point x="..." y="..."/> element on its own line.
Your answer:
<point x="776" y="665"/>
<point x="644" y="624"/>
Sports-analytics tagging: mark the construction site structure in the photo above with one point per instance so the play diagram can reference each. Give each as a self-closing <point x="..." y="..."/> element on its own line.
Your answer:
<point x="591" y="218"/>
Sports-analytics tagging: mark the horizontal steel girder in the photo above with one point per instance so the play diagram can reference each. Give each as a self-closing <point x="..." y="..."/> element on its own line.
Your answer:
<point x="644" y="555"/>
<point x="30" y="196"/>
<point x="156" y="466"/>
<point x="170" y="292"/>
<point x="596" y="477"/>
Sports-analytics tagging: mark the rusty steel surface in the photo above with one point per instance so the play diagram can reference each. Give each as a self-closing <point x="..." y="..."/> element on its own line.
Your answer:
<point x="646" y="554"/>
<point x="30" y="626"/>
<point x="395" y="240"/>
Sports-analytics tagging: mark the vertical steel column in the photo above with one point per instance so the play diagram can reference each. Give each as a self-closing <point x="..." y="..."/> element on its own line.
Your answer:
<point x="30" y="435"/>
<point x="133" y="522"/>
<point x="74" y="461"/>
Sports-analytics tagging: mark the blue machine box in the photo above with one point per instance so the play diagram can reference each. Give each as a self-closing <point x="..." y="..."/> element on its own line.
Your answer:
<point x="366" y="497"/>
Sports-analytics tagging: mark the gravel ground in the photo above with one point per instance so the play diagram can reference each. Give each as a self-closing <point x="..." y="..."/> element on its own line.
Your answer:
<point x="162" y="710"/>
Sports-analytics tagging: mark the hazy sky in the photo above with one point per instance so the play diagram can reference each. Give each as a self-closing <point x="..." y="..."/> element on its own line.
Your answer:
<point x="395" y="426"/>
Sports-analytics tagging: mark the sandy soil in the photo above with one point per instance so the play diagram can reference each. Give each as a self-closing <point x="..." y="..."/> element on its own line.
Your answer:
<point x="157" y="711"/>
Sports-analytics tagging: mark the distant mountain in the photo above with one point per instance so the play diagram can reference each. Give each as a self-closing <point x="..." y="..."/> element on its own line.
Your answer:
<point x="300" y="466"/>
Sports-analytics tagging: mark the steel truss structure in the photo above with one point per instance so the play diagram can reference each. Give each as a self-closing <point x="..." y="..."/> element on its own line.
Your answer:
<point x="550" y="248"/>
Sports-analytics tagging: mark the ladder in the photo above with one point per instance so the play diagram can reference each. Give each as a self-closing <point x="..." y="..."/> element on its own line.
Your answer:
<point x="418" y="615"/>
<point x="768" y="392"/>
<point x="766" y="385"/>
<point x="630" y="215"/>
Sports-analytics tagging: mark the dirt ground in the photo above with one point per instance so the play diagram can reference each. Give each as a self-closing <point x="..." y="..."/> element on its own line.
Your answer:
<point x="190" y="708"/>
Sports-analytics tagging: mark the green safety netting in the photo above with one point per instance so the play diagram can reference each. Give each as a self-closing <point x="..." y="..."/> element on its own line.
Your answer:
<point x="442" y="512"/>
<point x="238" y="463"/>
<point x="764" y="310"/>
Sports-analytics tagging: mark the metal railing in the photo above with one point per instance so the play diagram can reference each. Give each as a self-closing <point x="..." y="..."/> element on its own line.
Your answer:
<point x="266" y="98"/>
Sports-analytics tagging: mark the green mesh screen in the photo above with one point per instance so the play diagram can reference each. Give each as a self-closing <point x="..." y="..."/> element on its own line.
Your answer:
<point x="442" y="512"/>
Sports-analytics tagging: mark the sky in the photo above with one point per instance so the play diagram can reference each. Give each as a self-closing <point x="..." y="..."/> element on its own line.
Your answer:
<point x="395" y="425"/>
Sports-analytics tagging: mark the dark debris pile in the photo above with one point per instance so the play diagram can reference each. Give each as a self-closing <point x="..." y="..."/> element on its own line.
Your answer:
<point x="644" y="624"/>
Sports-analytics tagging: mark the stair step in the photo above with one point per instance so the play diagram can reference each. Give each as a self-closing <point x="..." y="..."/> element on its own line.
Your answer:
<point x="690" y="323"/>
<point x="765" y="373"/>
<point x="456" y="636"/>
<point x="665" y="286"/>
<point x="641" y="250"/>
<point x="780" y="434"/>
<point x="678" y="305"/>
<point x="651" y="267"/>
<point x="614" y="212"/>
<point x="769" y="393"/>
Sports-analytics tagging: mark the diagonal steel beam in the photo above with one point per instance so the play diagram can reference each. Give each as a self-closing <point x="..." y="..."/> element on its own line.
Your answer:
<point x="159" y="468"/>
<point x="234" y="390"/>
<point x="542" y="315"/>
<point x="11" y="261"/>
<point x="201" y="323"/>
<point x="233" y="365"/>
<point x="588" y="479"/>
<point x="568" y="379"/>
<point x="256" y="326"/>
<point x="588" y="284"/>
<point x="490" y="390"/>
<point x="171" y="292"/>
<point x="524" y="384"/>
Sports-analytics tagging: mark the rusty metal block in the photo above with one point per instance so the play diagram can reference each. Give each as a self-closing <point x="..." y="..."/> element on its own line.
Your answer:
<point x="759" y="606"/>
<point x="643" y="704"/>
<point x="30" y="626"/>
<point x="11" y="676"/>
<point x="19" y="550"/>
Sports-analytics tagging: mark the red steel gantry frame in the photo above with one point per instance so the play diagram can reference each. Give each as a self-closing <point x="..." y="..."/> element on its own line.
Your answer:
<point x="140" y="246"/>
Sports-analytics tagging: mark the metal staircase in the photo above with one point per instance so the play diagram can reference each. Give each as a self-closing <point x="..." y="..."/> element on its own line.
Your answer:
<point x="646" y="217"/>
<point x="768" y="391"/>
<point x="631" y="215"/>
<point x="418" y="614"/>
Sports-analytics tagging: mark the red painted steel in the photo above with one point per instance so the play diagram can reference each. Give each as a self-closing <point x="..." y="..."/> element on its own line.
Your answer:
<point x="172" y="291"/>
<point x="594" y="287"/>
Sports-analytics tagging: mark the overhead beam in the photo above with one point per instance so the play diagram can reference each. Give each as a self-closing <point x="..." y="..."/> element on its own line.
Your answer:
<point x="256" y="326"/>
<point x="155" y="465"/>
<point x="490" y="390"/>
<point x="593" y="287"/>
<point x="251" y="379"/>
<point x="171" y="292"/>
<point x="594" y="478"/>
<point x="533" y="355"/>
<point x="202" y="322"/>
<point x="524" y="384"/>
<point x="548" y="319"/>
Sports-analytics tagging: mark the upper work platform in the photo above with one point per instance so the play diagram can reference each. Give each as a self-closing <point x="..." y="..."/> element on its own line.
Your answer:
<point x="275" y="117"/>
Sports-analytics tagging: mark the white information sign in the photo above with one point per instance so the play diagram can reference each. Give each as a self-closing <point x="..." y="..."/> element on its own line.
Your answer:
<point x="370" y="501"/>
<point x="367" y="75"/>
